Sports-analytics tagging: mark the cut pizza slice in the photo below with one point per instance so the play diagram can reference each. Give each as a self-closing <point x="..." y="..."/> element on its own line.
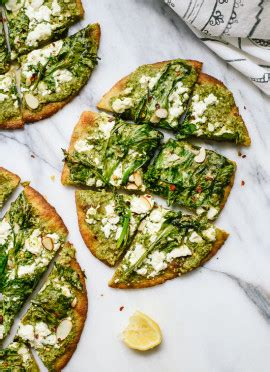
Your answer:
<point x="31" y="233"/>
<point x="213" y="114"/>
<point x="108" y="221"/>
<point x="192" y="177"/>
<point x="54" y="322"/>
<point x="167" y="245"/>
<point x="109" y="152"/>
<point x="8" y="183"/>
<point x="156" y="93"/>
<point x="34" y="23"/>
<point x="53" y="75"/>
<point x="17" y="357"/>
<point x="4" y="53"/>
<point x="10" y="113"/>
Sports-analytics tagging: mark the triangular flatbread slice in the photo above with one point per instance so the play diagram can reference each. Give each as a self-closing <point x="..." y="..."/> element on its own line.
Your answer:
<point x="167" y="245"/>
<point x="17" y="357"/>
<point x="53" y="75"/>
<point x="54" y="322"/>
<point x="8" y="183"/>
<point x="192" y="177"/>
<point x="33" y="23"/>
<point x="31" y="234"/>
<point x="107" y="152"/>
<point x="108" y="221"/>
<point x="4" y="53"/>
<point x="10" y="113"/>
<point x="156" y="93"/>
<point x="213" y="114"/>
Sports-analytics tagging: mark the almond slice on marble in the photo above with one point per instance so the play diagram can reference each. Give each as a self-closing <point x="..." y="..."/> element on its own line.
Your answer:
<point x="63" y="329"/>
<point x="48" y="243"/>
<point x="31" y="101"/>
<point x="200" y="157"/>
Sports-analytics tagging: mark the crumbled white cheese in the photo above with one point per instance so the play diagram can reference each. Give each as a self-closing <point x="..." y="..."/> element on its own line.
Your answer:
<point x="136" y="254"/>
<point x="5" y="83"/>
<point x="121" y="105"/>
<point x="182" y="251"/>
<point x="142" y="271"/>
<point x="3" y="97"/>
<point x="61" y="76"/>
<point x="33" y="244"/>
<point x="106" y="128"/>
<point x="156" y="215"/>
<point x="117" y="175"/>
<point x="195" y="237"/>
<point x="83" y="146"/>
<point x="56" y="8"/>
<point x="26" y="332"/>
<point x="200" y="210"/>
<point x="211" y="127"/>
<point x="99" y="183"/>
<point x="41" y="32"/>
<point x="176" y="99"/>
<point x="212" y="212"/>
<point x="199" y="107"/>
<point x="25" y="354"/>
<point x="223" y="130"/>
<point x="5" y="230"/>
<point x="210" y="234"/>
<point x="118" y="232"/>
<point x="91" y="181"/>
<point x="26" y="270"/>
<point x="158" y="262"/>
<point x="2" y="331"/>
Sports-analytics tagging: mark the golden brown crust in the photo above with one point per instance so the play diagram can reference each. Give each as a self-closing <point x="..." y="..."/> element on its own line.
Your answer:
<point x="169" y="274"/>
<point x="51" y="108"/>
<point x="47" y="214"/>
<point x="87" y="120"/>
<point x="80" y="314"/>
<point x="207" y="79"/>
<point x="80" y="8"/>
<point x="12" y="124"/>
<point x="104" y="103"/>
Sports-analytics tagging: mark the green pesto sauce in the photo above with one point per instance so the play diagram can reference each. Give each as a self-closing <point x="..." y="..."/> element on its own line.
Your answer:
<point x="7" y="187"/>
<point x="10" y="106"/>
<point x="183" y="181"/>
<point x="109" y="249"/>
<point x="174" y="232"/>
<point x="17" y="358"/>
<point x="78" y="56"/>
<point x="220" y="123"/>
<point x="19" y="25"/>
<point x="4" y="54"/>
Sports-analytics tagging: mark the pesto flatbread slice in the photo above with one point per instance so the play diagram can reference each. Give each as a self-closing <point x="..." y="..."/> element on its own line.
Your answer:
<point x="167" y="245"/>
<point x="17" y="357"/>
<point x="53" y="75"/>
<point x="156" y="93"/>
<point x="213" y="114"/>
<point x="108" y="221"/>
<point x="31" y="233"/>
<point x="55" y="320"/>
<point x="4" y="53"/>
<point x="10" y="113"/>
<point x="34" y="23"/>
<point x="192" y="177"/>
<point x="8" y="183"/>
<point x="105" y="151"/>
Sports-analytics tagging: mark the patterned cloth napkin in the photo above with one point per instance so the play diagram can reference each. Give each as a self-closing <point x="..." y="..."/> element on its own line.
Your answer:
<point x="237" y="30"/>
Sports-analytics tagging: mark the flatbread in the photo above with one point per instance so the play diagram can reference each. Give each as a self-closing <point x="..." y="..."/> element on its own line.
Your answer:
<point x="8" y="184"/>
<point x="39" y="233"/>
<point x="104" y="216"/>
<point x="80" y="57"/>
<point x="17" y="357"/>
<point x="108" y="152"/>
<point x="40" y="24"/>
<point x="168" y="245"/>
<point x="220" y="119"/>
<point x="154" y="93"/>
<point x="64" y="307"/>
<point x="193" y="177"/>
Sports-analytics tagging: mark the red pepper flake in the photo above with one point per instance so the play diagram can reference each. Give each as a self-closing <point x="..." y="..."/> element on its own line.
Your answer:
<point x="199" y="189"/>
<point x="149" y="99"/>
<point x="242" y="183"/>
<point x="172" y="187"/>
<point x="157" y="106"/>
<point x="121" y="308"/>
<point x="244" y="156"/>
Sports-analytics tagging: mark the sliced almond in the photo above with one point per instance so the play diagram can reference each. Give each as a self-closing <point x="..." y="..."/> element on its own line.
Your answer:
<point x="48" y="243"/>
<point x="63" y="329"/>
<point x="200" y="157"/>
<point x="146" y="202"/>
<point x="161" y="113"/>
<point x="10" y="264"/>
<point x="31" y="101"/>
<point x="137" y="179"/>
<point x="154" y="119"/>
<point x="132" y="186"/>
<point x="74" y="302"/>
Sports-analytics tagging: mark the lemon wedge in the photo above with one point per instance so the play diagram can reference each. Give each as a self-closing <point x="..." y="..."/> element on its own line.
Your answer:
<point x="142" y="333"/>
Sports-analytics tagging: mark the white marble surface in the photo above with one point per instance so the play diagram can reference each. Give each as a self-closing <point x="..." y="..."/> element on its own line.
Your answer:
<point x="216" y="319"/>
